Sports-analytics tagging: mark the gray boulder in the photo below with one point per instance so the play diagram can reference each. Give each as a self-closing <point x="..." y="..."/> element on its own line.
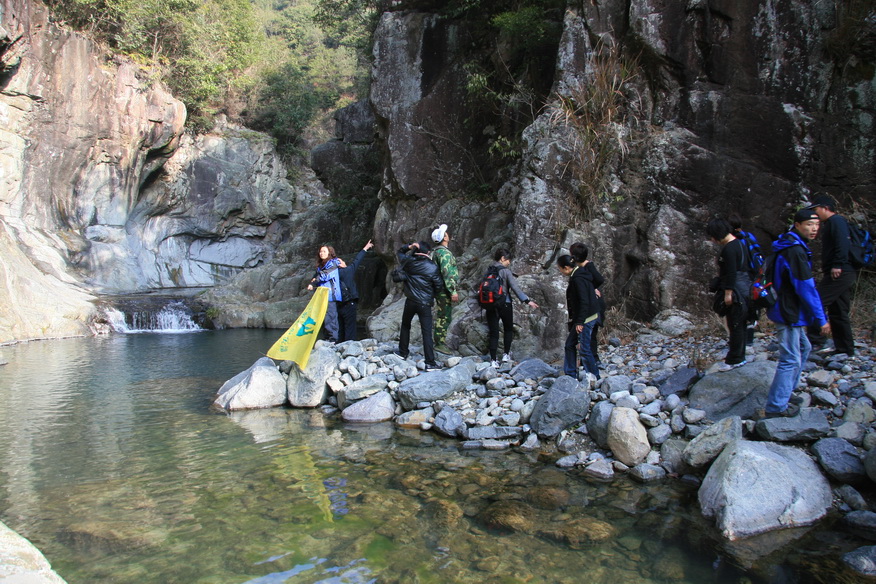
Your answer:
<point x="706" y="447"/>
<point x="532" y="369"/>
<point x="432" y="386"/>
<point x="615" y="383"/>
<point x="260" y="386"/>
<point x="450" y="423"/>
<point x="840" y="460"/>
<point x="645" y="473"/>
<point x="862" y="560"/>
<point x="307" y="388"/>
<point x="377" y="408"/>
<point x="361" y="389"/>
<point x="597" y="422"/>
<point x="673" y="322"/>
<point x="810" y="424"/>
<point x="672" y="454"/>
<point x="754" y="487"/>
<point x="627" y="438"/>
<point x="492" y="432"/>
<point x="738" y="392"/>
<point x="870" y="464"/>
<point x="565" y="403"/>
<point x="679" y="382"/>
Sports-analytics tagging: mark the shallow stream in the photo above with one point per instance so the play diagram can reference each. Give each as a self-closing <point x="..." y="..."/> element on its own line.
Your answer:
<point x="113" y="463"/>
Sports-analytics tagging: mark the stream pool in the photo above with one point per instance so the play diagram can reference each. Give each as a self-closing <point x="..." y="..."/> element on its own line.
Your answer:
<point x="113" y="463"/>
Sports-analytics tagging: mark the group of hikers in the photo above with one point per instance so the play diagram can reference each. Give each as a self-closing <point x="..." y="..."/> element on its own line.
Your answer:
<point x="430" y="277"/>
<point x="804" y="313"/>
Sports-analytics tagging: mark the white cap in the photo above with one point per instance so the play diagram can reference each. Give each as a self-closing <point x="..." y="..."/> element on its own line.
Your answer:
<point x="438" y="234"/>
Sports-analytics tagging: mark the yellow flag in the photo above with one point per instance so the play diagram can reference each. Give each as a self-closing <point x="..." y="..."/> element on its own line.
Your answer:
<point x="297" y="342"/>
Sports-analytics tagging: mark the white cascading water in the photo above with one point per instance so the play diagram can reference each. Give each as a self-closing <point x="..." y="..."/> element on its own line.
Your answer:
<point x="173" y="318"/>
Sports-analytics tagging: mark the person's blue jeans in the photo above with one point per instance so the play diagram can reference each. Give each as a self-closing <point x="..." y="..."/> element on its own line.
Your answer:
<point x="794" y="350"/>
<point x="585" y="348"/>
<point x="579" y="343"/>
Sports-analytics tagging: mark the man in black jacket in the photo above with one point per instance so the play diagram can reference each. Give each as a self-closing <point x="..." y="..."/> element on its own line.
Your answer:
<point x="422" y="282"/>
<point x="838" y="277"/>
<point x="349" y="296"/>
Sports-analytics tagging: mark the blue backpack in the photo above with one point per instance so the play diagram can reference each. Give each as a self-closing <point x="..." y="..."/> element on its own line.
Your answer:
<point x="755" y="255"/>
<point x="861" y="252"/>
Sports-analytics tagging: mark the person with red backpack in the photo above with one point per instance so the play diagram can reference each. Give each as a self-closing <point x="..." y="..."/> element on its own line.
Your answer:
<point x="498" y="304"/>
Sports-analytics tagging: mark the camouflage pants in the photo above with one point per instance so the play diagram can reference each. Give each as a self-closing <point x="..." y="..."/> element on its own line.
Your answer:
<point x="443" y="314"/>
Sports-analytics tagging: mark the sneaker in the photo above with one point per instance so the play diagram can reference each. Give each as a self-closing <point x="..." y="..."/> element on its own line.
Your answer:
<point x="506" y="358"/>
<point x="728" y="366"/>
<point x="791" y="411"/>
<point x="433" y="367"/>
<point x="494" y="364"/>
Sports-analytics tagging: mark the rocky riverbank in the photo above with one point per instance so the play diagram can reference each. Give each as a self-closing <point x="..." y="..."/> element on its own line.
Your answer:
<point x="661" y="411"/>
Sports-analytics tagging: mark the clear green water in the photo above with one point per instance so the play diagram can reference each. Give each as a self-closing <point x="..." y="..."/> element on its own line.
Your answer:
<point x="114" y="465"/>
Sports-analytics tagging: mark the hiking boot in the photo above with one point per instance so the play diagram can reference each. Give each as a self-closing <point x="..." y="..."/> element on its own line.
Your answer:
<point x="791" y="411"/>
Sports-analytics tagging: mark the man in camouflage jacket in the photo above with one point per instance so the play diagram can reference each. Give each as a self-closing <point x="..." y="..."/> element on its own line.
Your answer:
<point x="450" y="274"/>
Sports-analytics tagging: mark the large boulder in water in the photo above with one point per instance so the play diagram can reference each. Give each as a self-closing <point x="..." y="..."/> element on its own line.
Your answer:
<point x="564" y="404"/>
<point x="307" y="388"/>
<point x="754" y="487"/>
<point x="260" y="386"/>
<point x="627" y="438"/>
<point x="738" y="392"/>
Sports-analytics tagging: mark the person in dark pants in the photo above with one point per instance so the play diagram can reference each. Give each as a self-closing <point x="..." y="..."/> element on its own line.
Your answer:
<point x="504" y="309"/>
<point x="422" y="282"/>
<point x="735" y="281"/>
<point x="349" y="295"/>
<point x="838" y="278"/>
<point x="579" y="253"/>
<point x="583" y="310"/>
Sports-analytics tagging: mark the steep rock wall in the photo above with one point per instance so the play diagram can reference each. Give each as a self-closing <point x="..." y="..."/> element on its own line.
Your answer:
<point x="733" y="107"/>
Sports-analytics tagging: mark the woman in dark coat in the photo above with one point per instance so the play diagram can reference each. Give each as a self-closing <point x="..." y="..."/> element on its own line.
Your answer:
<point x="583" y="311"/>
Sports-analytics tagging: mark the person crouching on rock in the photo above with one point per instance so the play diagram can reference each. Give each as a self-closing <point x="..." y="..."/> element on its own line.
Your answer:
<point x="422" y="282"/>
<point x="583" y="311"/>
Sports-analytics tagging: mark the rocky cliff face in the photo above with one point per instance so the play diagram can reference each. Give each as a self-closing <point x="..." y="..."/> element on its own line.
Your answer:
<point x="728" y="107"/>
<point x="724" y="107"/>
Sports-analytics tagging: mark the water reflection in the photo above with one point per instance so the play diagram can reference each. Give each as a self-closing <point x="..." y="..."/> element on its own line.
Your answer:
<point x="115" y="466"/>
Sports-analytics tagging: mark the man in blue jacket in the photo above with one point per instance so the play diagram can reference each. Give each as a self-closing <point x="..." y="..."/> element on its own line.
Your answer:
<point x="797" y="307"/>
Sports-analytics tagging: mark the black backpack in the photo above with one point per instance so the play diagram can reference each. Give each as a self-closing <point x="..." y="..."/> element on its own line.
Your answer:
<point x="490" y="291"/>
<point x="861" y="252"/>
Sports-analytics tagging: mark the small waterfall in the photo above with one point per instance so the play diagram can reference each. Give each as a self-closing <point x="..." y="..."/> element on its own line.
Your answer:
<point x="174" y="317"/>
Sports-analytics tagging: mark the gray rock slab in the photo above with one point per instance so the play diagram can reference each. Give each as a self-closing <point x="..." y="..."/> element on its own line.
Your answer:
<point x="565" y="403"/>
<point x="361" y="389"/>
<point x="433" y="385"/>
<point x="840" y="460"/>
<point x="376" y="408"/>
<point x="532" y="369"/>
<point x="754" y="487"/>
<point x="260" y="386"/>
<point x="308" y="388"/>
<point x="601" y="470"/>
<point x="646" y="473"/>
<point x="492" y="432"/>
<point x="679" y="382"/>
<point x="450" y="423"/>
<point x="809" y="425"/>
<point x="861" y="523"/>
<point x="738" y="392"/>
<point x="862" y="560"/>
<point x="597" y="422"/>
<point x="706" y="446"/>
